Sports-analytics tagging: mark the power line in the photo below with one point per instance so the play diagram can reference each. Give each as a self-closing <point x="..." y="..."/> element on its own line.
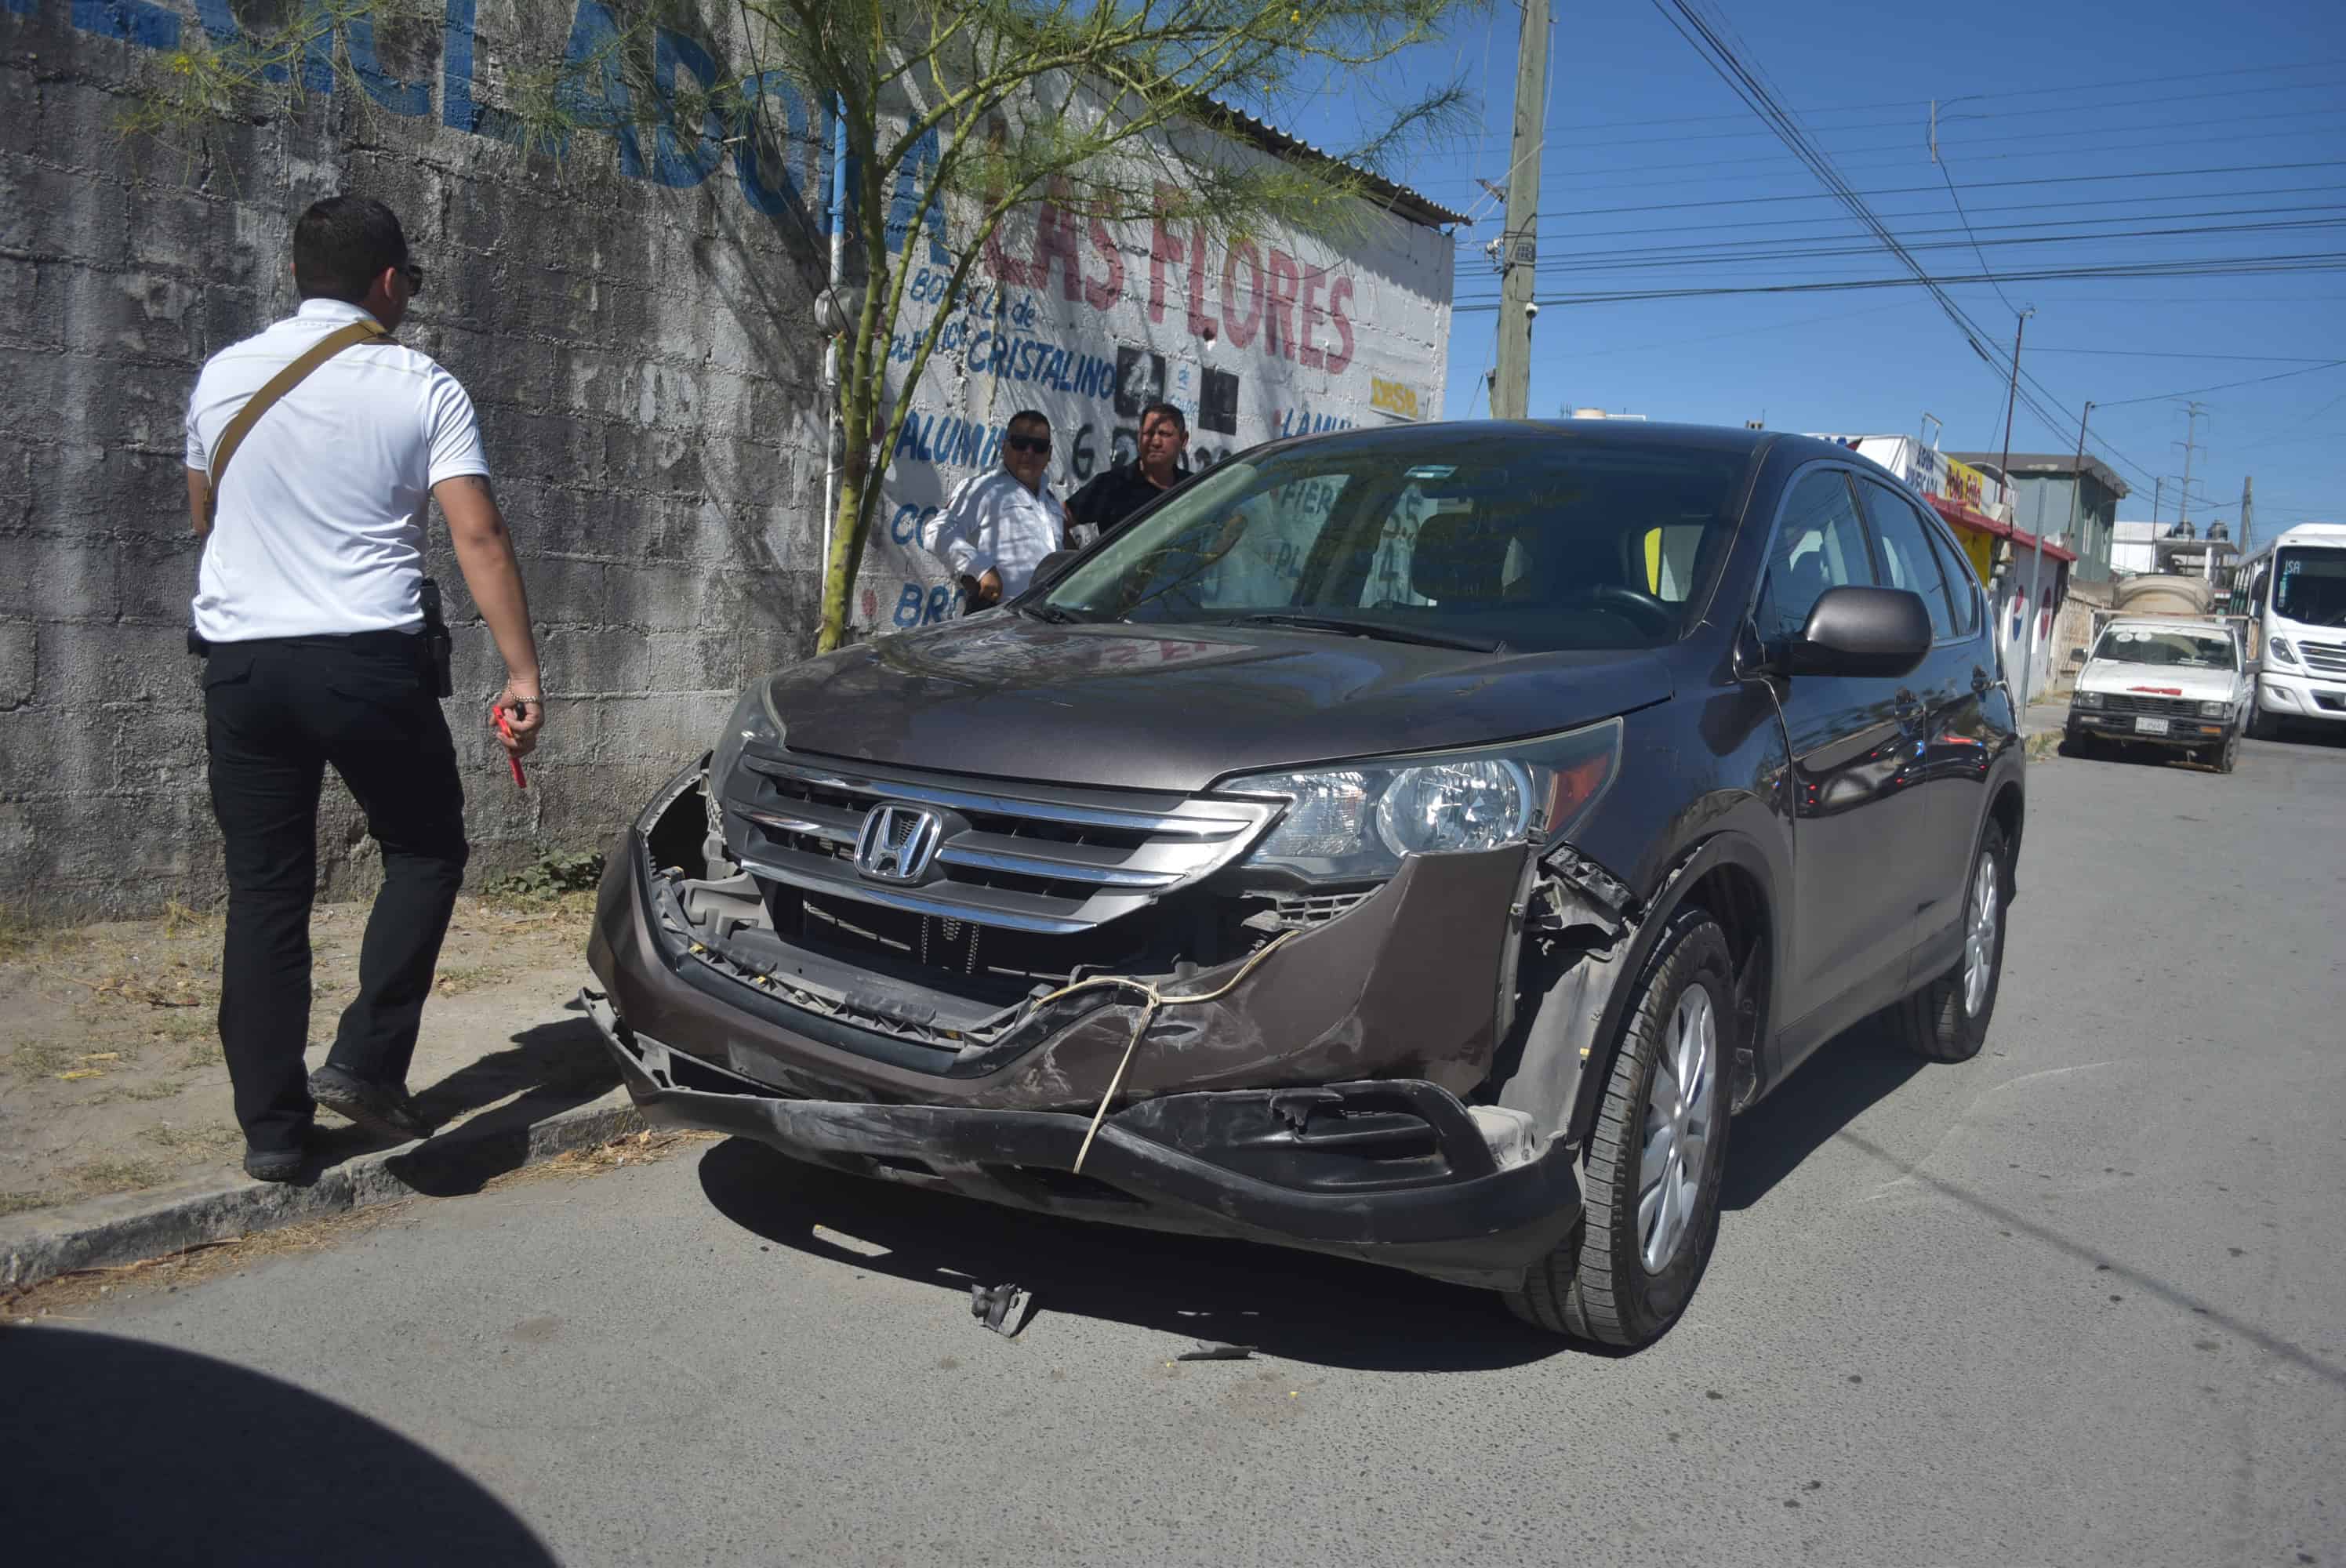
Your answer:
<point x="1491" y="139"/>
<point x="1636" y="173"/>
<point x="1467" y="242"/>
<point x="1734" y="252"/>
<point x="2168" y="354"/>
<point x="2315" y="262"/>
<point x="2225" y="386"/>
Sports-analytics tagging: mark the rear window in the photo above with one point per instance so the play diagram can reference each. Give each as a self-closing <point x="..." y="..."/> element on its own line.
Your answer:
<point x="1537" y="543"/>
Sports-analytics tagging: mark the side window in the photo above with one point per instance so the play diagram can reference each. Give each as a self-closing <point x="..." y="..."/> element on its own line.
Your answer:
<point x="1961" y="585"/>
<point x="1906" y="558"/>
<point x="1820" y="545"/>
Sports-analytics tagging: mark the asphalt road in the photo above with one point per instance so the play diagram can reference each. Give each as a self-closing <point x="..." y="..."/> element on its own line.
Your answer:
<point x="2082" y="1300"/>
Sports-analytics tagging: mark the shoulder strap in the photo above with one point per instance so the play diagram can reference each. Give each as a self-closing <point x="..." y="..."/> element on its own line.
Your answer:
<point x="278" y="385"/>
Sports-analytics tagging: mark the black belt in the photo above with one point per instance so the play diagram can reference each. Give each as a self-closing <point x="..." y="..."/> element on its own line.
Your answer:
<point x="432" y="641"/>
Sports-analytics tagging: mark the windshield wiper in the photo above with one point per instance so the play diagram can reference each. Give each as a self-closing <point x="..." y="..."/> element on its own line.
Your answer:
<point x="1378" y="630"/>
<point x="1059" y="615"/>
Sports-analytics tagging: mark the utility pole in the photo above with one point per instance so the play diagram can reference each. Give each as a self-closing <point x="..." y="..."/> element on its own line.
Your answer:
<point x="2188" y="446"/>
<point x="1519" y="246"/>
<point x="2248" y="513"/>
<point x="2003" y="477"/>
<point x="2157" y="495"/>
<point x="2036" y="563"/>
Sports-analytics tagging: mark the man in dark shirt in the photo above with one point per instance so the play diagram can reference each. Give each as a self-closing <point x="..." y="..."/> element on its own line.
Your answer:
<point x="1101" y="507"/>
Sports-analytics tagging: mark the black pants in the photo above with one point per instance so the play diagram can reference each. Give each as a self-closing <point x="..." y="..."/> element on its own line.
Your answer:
<point x="277" y="711"/>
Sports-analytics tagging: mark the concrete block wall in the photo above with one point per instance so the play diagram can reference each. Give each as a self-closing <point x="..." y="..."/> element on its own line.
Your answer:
<point x="644" y="361"/>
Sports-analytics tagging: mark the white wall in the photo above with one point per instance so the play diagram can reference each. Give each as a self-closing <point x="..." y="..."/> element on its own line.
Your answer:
<point x="1251" y="339"/>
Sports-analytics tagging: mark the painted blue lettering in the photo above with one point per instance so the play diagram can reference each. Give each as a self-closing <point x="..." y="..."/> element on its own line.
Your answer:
<point x="965" y="443"/>
<point x="594" y="89"/>
<point x="135" y="22"/>
<point x="676" y="162"/>
<point x="399" y="97"/>
<point x="918" y="164"/>
<point x="908" y="605"/>
<point x="904" y="527"/>
<point x="940" y="604"/>
<point x="772" y="200"/>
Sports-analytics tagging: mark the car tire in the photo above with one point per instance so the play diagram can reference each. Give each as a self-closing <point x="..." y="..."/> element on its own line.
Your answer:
<point x="2078" y="744"/>
<point x="2225" y="755"/>
<point x="1631" y="1266"/>
<point x="1947" y="1019"/>
<point x="2262" y="725"/>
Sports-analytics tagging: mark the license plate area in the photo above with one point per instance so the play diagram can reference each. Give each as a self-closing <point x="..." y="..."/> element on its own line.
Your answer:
<point x="2150" y="727"/>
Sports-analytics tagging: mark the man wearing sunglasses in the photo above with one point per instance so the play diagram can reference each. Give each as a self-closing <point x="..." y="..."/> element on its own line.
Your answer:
<point x="312" y="613"/>
<point x="998" y="526"/>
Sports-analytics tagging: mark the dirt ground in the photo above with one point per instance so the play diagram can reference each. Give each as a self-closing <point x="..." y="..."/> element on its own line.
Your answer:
<point x="110" y="1071"/>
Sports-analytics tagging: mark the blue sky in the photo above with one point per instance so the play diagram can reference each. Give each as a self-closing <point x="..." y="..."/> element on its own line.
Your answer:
<point x="2056" y="94"/>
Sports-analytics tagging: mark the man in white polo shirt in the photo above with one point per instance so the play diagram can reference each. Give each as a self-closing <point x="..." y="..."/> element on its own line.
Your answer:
<point x="308" y="606"/>
<point x="998" y="526"/>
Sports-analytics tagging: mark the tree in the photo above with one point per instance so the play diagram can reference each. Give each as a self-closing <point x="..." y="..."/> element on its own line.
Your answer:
<point x="954" y="114"/>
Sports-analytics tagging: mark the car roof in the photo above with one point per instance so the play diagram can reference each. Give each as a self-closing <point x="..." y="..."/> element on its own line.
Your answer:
<point x="2171" y="624"/>
<point x="1621" y="433"/>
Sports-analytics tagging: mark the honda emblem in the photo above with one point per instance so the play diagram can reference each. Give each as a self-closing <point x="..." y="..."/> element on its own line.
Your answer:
<point x="897" y="843"/>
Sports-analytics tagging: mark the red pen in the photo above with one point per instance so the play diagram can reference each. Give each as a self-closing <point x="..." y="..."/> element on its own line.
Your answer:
<point x="512" y="760"/>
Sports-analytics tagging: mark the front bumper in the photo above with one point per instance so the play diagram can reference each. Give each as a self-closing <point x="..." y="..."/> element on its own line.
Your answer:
<point x="2181" y="733"/>
<point x="1317" y="1103"/>
<point x="1295" y="1167"/>
<point x="2299" y="697"/>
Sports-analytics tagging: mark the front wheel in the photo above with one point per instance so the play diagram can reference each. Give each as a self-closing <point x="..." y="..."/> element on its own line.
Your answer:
<point x="1650" y="1180"/>
<point x="1946" y="1021"/>
<point x="2262" y="725"/>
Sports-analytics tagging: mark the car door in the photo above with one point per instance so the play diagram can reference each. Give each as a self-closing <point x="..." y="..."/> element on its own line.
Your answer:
<point x="1846" y="740"/>
<point x="1939" y="700"/>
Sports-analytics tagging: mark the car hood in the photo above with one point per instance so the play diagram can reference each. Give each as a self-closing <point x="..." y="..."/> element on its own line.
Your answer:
<point x="2109" y="676"/>
<point x="1176" y="708"/>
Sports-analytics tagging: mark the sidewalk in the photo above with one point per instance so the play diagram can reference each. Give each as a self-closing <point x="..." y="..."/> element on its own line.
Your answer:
<point x="116" y="1136"/>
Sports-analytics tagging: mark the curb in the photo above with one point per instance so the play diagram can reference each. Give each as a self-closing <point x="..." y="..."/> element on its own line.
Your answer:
<point x="129" y="1228"/>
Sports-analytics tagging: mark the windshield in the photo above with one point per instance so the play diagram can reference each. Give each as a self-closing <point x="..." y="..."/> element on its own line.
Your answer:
<point x="1455" y="536"/>
<point x="2161" y="645"/>
<point x="2309" y="586"/>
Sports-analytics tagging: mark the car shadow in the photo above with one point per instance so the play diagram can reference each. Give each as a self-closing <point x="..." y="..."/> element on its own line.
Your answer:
<point x="117" y="1450"/>
<point x="1294" y="1306"/>
<point x="1855" y="1070"/>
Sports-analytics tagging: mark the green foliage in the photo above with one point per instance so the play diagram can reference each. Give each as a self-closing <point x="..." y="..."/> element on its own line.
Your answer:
<point x="1104" y="108"/>
<point x="553" y="875"/>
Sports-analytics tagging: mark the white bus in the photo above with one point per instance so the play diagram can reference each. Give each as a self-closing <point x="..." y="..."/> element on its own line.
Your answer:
<point x="2293" y="593"/>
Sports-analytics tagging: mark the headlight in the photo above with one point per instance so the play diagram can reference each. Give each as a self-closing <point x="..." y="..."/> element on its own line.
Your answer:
<point x="2087" y="700"/>
<point x="1357" y="822"/>
<point x="2281" y="650"/>
<point x="752" y="718"/>
<point x="2213" y="709"/>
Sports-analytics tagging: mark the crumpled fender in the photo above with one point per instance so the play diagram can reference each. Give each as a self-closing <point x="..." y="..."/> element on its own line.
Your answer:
<point x="1404" y="986"/>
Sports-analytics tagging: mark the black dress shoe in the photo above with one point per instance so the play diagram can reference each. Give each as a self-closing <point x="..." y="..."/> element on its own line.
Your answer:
<point x="275" y="1165"/>
<point x="380" y="1110"/>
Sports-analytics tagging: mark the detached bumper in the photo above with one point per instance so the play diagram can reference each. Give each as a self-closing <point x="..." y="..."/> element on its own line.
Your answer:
<point x="1390" y="1171"/>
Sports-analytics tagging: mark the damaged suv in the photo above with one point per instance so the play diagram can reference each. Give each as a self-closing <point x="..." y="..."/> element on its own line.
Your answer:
<point x="1412" y="844"/>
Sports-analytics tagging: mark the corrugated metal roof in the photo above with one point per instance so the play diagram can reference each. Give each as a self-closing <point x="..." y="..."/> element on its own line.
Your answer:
<point x="1398" y="199"/>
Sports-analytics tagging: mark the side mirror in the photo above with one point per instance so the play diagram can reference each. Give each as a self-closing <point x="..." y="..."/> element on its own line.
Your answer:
<point x="1880" y="632"/>
<point x="2077" y="656"/>
<point x="1051" y="566"/>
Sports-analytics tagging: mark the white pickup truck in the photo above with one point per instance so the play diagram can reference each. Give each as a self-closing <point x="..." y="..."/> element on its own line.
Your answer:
<point x="2162" y="681"/>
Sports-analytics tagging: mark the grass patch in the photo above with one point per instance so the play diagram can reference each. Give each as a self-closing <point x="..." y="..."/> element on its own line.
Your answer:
<point x="43" y="1059"/>
<point x="167" y="1090"/>
<point x="101" y="1176"/>
<point x="24" y="1202"/>
<point x="456" y="981"/>
<point x="204" y="1054"/>
<point x="182" y="1139"/>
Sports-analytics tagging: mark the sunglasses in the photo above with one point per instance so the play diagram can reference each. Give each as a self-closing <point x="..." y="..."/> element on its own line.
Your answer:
<point x="414" y="272"/>
<point x="1028" y="443"/>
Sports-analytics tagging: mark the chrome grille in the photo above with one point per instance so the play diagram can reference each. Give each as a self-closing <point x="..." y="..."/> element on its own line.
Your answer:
<point x="1026" y="857"/>
<point x="2328" y="657"/>
<point x="2127" y="702"/>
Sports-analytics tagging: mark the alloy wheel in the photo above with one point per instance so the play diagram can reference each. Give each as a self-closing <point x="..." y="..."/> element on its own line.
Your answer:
<point x="1681" y="1108"/>
<point x="1979" y="937"/>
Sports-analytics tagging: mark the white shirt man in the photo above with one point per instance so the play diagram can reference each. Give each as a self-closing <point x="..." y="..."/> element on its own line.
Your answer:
<point x="319" y="524"/>
<point x="308" y="606"/>
<point x="997" y="526"/>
